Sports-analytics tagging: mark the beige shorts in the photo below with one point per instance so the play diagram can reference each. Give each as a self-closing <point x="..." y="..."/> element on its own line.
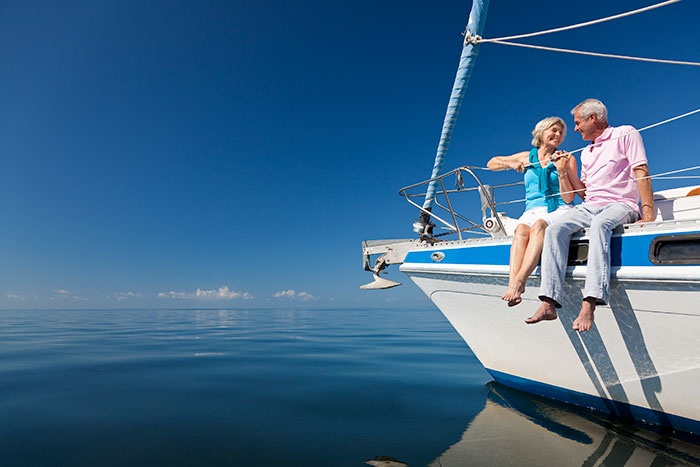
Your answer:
<point x="531" y="215"/>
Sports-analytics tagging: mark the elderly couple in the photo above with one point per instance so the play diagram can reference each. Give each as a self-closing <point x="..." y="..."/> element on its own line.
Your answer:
<point x="614" y="177"/>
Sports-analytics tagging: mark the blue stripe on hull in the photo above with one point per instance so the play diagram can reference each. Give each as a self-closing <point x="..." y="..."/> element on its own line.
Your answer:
<point x="481" y="254"/>
<point x="631" y="250"/>
<point x="606" y="406"/>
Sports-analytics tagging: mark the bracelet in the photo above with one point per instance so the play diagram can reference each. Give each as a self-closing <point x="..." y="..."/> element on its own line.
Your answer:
<point x="562" y="174"/>
<point x="647" y="206"/>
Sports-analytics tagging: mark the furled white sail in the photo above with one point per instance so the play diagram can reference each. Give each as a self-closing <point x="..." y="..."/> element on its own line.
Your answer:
<point x="475" y="26"/>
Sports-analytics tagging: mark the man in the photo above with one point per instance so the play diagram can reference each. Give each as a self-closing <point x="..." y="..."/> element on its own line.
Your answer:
<point x="614" y="176"/>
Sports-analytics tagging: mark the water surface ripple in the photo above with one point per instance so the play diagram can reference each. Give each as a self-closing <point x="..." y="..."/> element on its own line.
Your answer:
<point x="248" y="387"/>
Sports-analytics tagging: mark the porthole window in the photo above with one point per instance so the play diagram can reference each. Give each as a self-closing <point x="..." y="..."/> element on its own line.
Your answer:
<point x="578" y="252"/>
<point x="675" y="249"/>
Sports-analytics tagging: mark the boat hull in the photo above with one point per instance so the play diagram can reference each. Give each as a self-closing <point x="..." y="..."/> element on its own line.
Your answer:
<point x="640" y="361"/>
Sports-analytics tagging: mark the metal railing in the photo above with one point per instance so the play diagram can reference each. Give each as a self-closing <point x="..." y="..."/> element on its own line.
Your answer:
<point x="443" y="205"/>
<point x="444" y="213"/>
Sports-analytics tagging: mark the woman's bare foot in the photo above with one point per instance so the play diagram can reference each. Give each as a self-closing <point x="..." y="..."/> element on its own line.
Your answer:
<point x="512" y="295"/>
<point x="546" y="312"/>
<point x="584" y="322"/>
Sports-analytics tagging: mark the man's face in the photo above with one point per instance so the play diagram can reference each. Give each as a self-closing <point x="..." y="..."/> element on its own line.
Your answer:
<point x="586" y="126"/>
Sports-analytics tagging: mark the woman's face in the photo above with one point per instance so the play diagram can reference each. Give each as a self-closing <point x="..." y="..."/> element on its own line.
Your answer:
<point x="553" y="135"/>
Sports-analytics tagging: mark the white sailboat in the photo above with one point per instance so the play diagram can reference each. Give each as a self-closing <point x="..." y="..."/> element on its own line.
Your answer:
<point x="641" y="360"/>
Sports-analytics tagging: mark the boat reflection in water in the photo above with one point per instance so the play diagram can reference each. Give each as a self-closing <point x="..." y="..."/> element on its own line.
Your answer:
<point x="515" y="428"/>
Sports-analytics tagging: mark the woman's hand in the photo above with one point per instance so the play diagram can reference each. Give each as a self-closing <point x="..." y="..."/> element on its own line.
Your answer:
<point x="521" y="166"/>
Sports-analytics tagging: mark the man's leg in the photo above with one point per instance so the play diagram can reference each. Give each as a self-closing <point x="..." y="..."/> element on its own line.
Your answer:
<point x="598" y="265"/>
<point x="555" y="254"/>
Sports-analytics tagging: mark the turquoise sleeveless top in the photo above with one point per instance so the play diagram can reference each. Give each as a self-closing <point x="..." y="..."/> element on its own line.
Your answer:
<point x="540" y="182"/>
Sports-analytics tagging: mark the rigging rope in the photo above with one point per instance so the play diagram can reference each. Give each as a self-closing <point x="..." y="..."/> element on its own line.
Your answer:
<point x="580" y="25"/>
<point x="648" y="127"/>
<point x="668" y="120"/>
<point x="687" y="169"/>
<point x="506" y="40"/>
<point x="596" y="54"/>
<point x="662" y="175"/>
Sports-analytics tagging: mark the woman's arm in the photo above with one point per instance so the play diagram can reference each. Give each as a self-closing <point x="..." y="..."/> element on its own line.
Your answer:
<point x="516" y="162"/>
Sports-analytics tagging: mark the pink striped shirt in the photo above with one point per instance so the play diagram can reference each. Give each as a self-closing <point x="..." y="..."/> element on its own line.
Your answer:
<point x="607" y="163"/>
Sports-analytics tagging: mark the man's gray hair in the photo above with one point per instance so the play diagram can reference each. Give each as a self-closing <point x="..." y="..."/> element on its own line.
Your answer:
<point x="590" y="107"/>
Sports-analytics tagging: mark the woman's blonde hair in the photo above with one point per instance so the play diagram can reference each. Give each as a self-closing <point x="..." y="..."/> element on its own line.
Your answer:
<point x="544" y="125"/>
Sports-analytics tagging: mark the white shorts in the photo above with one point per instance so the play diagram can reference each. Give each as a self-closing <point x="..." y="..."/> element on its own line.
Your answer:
<point x="531" y="215"/>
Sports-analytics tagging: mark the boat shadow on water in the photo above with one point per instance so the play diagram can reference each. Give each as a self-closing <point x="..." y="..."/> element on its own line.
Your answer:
<point x="539" y="431"/>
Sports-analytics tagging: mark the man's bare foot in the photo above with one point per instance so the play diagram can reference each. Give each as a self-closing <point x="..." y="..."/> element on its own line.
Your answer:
<point x="512" y="295"/>
<point x="546" y="312"/>
<point x="584" y="322"/>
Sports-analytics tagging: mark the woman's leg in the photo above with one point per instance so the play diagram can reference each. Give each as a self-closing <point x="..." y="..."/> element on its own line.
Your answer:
<point x="532" y="252"/>
<point x="521" y="238"/>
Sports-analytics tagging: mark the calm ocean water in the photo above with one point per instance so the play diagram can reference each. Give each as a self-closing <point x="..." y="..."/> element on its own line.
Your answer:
<point x="279" y="387"/>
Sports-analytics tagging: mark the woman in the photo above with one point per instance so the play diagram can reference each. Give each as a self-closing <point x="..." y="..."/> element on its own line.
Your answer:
<point x="549" y="175"/>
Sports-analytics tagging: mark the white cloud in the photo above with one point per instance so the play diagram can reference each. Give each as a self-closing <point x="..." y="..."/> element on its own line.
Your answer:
<point x="284" y="293"/>
<point x="128" y="295"/>
<point x="293" y="295"/>
<point x="62" y="294"/>
<point x="14" y="296"/>
<point x="173" y="294"/>
<point x="222" y="293"/>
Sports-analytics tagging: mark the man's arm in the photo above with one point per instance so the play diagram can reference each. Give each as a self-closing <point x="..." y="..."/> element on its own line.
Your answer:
<point x="646" y="193"/>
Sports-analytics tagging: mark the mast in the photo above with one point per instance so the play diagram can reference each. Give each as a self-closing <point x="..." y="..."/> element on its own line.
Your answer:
<point x="475" y="26"/>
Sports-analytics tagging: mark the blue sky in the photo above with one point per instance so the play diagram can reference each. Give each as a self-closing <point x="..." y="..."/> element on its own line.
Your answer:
<point x="235" y="153"/>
